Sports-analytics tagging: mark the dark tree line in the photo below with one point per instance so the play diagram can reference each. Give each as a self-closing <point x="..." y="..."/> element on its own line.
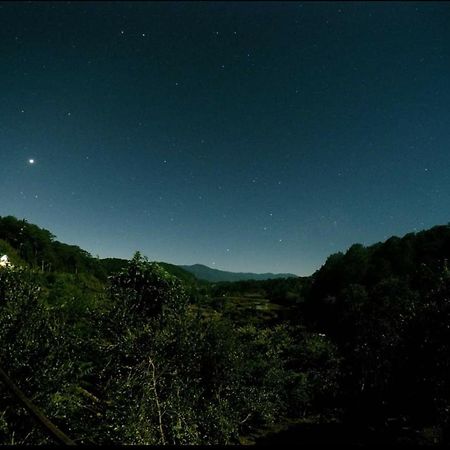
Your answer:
<point x="38" y="248"/>
<point x="387" y="308"/>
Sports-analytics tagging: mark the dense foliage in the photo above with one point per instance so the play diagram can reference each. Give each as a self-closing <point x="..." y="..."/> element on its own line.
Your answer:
<point x="387" y="309"/>
<point x="146" y="357"/>
<point x="138" y="365"/>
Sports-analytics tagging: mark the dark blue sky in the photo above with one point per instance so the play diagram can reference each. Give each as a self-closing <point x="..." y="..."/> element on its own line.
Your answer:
<point x="245" y="136"/>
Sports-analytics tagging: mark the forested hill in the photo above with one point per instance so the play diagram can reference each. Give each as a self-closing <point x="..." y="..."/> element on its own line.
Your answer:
<point x="203" y="272"/>
<point x="113" y="265"/>
<point x="30" y="245"/>
<point x="387" y="307"/>
<point x="401" y="258"/>
<point x="400" y="272"/>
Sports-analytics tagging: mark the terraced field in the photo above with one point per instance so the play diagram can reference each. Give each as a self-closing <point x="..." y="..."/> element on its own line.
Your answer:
<point x="244" y="310"/>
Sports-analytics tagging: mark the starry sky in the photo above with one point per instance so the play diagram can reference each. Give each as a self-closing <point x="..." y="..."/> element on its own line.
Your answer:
<point x="247" y="136"/>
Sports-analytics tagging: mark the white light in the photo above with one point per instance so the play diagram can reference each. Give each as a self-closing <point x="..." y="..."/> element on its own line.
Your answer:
<point x="31" y="161"/>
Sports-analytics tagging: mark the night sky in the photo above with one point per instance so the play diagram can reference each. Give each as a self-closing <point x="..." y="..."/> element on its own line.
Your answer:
<point x="244" y="136"/>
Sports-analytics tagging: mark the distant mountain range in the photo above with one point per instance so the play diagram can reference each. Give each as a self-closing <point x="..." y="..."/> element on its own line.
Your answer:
<point x="214" y="275"/>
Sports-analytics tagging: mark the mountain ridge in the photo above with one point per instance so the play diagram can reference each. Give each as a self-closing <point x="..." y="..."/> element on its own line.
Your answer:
<point x="203" y="272"/>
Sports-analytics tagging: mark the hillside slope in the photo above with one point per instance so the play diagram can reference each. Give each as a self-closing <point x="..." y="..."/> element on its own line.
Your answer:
<point x="29" y="244"/>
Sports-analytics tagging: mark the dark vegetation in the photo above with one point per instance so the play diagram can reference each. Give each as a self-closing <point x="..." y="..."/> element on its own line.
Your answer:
<point x="116" y="351"/>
